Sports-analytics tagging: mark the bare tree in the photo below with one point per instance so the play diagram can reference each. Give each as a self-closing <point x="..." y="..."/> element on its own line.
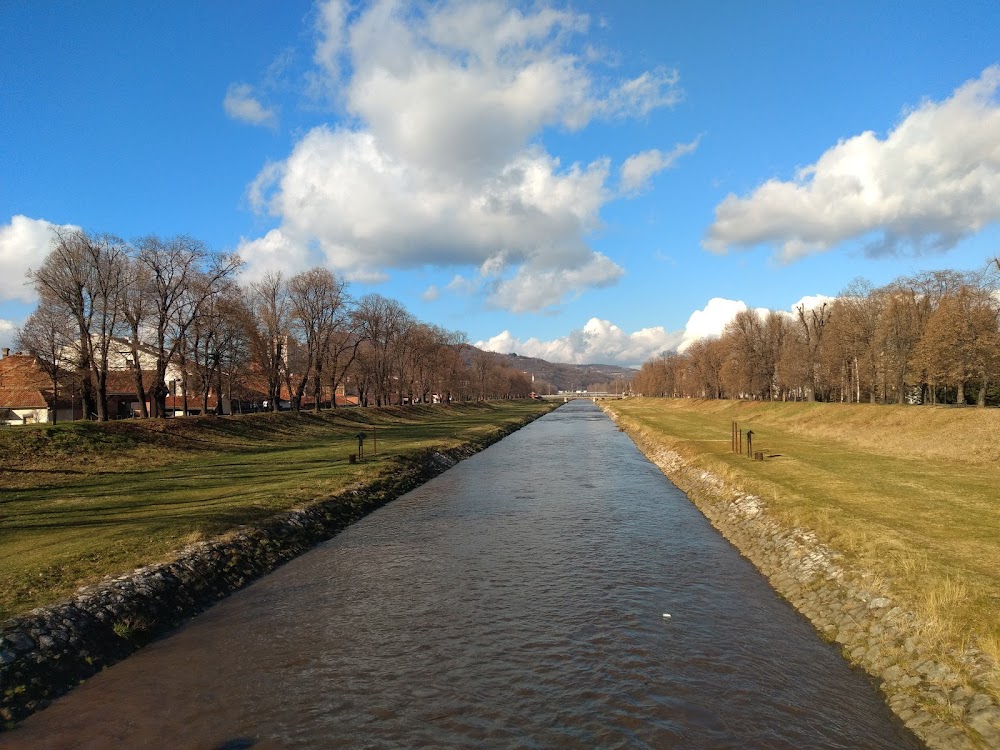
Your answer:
<point x="135" y="308"/>
<point x="341" y="353"/>
<point x="319" y="307"/>
<point x="706" y="364"/>
<point x="381" y="322"/>
<point x="268" y="328"/>
<point x="48" y="334"/>
<point x="812" y="326"/>
<point x="747" y="371"/>
<point x="860" y="308"/>
<point x="85" y="275"/>
<point x="960" y="343"/>
<point x="217" y="344"/>
<point x="182" y="275"/>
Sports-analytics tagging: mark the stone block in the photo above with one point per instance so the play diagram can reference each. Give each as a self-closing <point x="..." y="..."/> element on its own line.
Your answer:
<point x="892" y="674"/>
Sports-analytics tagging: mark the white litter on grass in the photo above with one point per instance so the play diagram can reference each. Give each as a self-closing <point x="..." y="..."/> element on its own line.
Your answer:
<point x="666" y="616"/>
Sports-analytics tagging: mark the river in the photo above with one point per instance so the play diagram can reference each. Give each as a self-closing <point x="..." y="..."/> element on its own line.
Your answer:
<point x="518" y="600"/>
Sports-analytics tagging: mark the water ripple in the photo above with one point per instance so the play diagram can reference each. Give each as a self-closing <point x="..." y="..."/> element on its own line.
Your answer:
<point x="515" y="601"/>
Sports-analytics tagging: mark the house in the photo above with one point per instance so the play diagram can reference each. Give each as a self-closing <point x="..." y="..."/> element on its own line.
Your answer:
<point x="27" y="395"/>
<point x="123" y="399"/>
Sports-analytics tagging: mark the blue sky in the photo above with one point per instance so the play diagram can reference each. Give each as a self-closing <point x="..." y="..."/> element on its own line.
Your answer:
<point x="586" y="181"/>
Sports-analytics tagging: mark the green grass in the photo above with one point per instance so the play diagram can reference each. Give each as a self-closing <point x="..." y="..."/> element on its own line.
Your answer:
<point x="909" y="494"/>
<point x="81" y="501"/>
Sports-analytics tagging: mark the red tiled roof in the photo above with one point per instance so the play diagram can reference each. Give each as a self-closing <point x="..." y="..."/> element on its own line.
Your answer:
<point x="194" y="401"/>
<point x="22" y="372"/>
<point x="122" y="382"/>
<point x="23" y="383"/>
<point x="23" y="398"/>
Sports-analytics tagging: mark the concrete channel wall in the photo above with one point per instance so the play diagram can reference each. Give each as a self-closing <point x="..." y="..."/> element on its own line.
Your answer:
<point x="50" y="650"/>
<point x="938" y="696"/>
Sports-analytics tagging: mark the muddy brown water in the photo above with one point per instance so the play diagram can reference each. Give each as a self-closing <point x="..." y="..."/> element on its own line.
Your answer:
<point x="515" y="601"/>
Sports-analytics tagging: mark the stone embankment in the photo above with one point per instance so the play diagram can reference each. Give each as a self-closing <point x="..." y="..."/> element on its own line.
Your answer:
<point x="939" y="696"/>
<point x="48" y="651"/>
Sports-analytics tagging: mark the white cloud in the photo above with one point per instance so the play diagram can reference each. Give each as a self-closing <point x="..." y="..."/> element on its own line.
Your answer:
<point x="430" y="294"/>
<point x="640" y="96"/>
<point x="598" y="342"/>
<point x="442" y="164"/>
<point x="241" y="104"/>
<point x="8" y="332"/>
<point x="639" y="168"/>
<point x="24" y="243"/>
<point x="812" y="301"/>
<point x="601" y="341"/>
<point x="535" y="287"/>
<point x="274" y="251"/>
<point x="461" y="285"/>
<point x="708" y="322"/>
<point x="330" y="32"/>
<point x="934" y="179"/>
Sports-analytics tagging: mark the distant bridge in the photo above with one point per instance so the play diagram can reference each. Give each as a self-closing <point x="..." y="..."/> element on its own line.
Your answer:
<point x="582" y="394"/>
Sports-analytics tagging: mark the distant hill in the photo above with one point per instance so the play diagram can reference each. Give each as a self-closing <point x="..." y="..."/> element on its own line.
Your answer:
<point x="566" y="377"/>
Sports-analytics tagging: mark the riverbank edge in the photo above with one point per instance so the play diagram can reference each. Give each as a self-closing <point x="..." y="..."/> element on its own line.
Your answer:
<point x="48" y="651"/>
<point x="936" y="698"/>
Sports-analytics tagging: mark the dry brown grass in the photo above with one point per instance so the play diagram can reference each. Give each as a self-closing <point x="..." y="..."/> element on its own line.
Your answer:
<point x="910" y="495"/>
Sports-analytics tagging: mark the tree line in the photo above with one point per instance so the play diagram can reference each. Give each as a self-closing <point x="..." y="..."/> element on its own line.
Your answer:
<point x="156" y="305"/>
<point x="929" y="338"/>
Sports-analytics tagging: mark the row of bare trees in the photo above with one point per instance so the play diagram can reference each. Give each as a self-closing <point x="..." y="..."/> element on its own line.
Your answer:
<point x="159" y="306"/>
<point x="930" y="338"/>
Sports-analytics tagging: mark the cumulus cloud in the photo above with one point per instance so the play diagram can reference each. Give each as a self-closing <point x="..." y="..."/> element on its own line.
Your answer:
<point x="709" y="322"/>
<point x="24" y="243"/>
<point x="441" y="164"/>
<point x="639" y="168"/>
<point x="934" y="179"/>
<point x="812" y="301"/>
<point x="599" y="341"/>
<point x="276" y="250"/>
<point x="241" y="104"/>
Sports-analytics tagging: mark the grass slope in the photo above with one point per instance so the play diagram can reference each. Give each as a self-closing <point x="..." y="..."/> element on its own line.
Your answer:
<point x="83" y="500"/>
<point x="911" y="494"/>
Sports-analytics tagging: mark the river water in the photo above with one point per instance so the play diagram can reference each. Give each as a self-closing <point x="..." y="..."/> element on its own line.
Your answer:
<point x="517" y="600"/>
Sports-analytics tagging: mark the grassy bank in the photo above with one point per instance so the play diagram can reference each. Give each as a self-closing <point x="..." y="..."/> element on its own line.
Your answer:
<point x="910" y="494"/>
<point x="84" y="500"/>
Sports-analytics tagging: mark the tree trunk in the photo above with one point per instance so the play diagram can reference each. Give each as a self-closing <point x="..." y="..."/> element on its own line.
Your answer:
<point x="101" y="396"/>
<point x="159" y="399"/>
<point x="55" y="399"/>
<point x="87" y="394"/>
<point x="317" y="389"/>
<point x="184" y="389"/>
<point x="140" y="391"/>
<point x="857" y="381"/>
